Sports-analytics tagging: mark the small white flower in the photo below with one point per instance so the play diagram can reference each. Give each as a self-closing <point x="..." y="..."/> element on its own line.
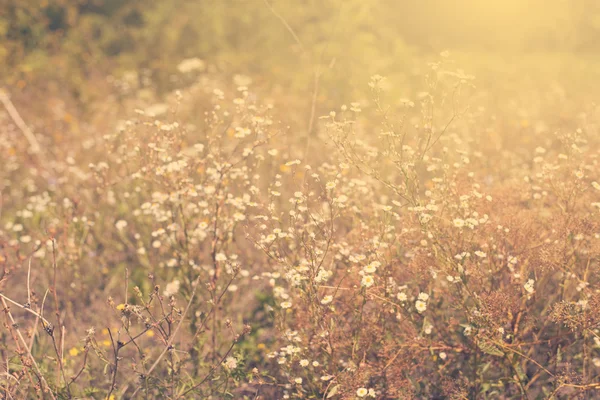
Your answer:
<point x="326" y="299"/>
<point x="362" y="392"/>
<point x="286" y="304"/>
<point x="230" y="363"/>
<point x="369" y="269"/>
<point x="239" y="216"/>
<point x="421" y="306"/>
<point x="121" y="224"/>
<point x="529" y="286"/>
<point x="367" y="281"/>
<point x="172" y="288"/>
<point x="191" y="64"/>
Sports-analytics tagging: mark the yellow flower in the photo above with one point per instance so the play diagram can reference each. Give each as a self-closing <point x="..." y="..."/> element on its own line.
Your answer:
<point x="121" y="307"/>
<point x="74" y="352"/>
<point x="150" y="333"/>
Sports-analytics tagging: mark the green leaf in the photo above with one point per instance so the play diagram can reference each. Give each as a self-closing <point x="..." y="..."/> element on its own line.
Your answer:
<point x="333" y="391"/>
<point x="489" y="348"/>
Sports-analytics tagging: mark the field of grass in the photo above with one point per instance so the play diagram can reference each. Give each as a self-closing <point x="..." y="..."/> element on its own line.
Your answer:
<point x="278" y="214"/>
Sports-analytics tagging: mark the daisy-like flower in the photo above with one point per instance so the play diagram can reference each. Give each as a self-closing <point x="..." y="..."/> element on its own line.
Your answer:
<point x="362" y="392"/>
<point x="367" y="281"/>
<point x="459" y="223"/>
<point x="423" y="296"/>
<point x="421" y="306"/>
<point x="369" y="269"/>
<point x="286" y="304"/>
<point x="326" y="299"/>
<point x="303" y="363"/>
<point x="401" y="296"/>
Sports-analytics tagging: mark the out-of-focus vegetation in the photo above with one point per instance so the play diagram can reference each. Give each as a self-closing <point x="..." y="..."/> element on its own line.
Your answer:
<point x="299" y="199"/>
<point x="355" y="39"/>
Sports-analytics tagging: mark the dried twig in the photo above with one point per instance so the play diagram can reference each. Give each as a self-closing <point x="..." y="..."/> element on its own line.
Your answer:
<point x="14" y="114"/>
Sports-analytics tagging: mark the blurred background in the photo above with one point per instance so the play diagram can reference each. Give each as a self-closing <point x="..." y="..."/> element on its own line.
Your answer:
<point x="71" y="46"/>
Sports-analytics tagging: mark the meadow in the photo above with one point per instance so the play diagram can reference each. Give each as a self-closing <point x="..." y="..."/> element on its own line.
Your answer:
<point x="279" y="201"/>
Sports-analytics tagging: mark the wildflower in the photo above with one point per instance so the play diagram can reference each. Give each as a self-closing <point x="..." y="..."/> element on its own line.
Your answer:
<point x="286" y="304"/>
<point x="230" y="363"/>
<point x="362" y="392"/>
<point x="423" y="296"/>
<point x="239" y="216"/>
<point x="190" y="65"/>
<point x="298" y="381"/>
<point x="121" y="224"/>
<point x="341" y="199"/>
<point x="376" y="81"/>
<point x="480" y="254"/>
<point x="529" y="286"/>
<point x="421" y="306"/>
<point x="327" y="299"/>
<point x="459" y="223"/>
<point x="369" y="269"/>
<point x="303" y="363"/>
<point x="367" y="281"/>
<point x="596" y="185"/>
<point x="401" y="296"/>
<point x="172" y="288"/>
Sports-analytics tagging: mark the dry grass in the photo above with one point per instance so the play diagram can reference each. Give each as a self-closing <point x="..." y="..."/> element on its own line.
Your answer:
<point x="442" y="246"/>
